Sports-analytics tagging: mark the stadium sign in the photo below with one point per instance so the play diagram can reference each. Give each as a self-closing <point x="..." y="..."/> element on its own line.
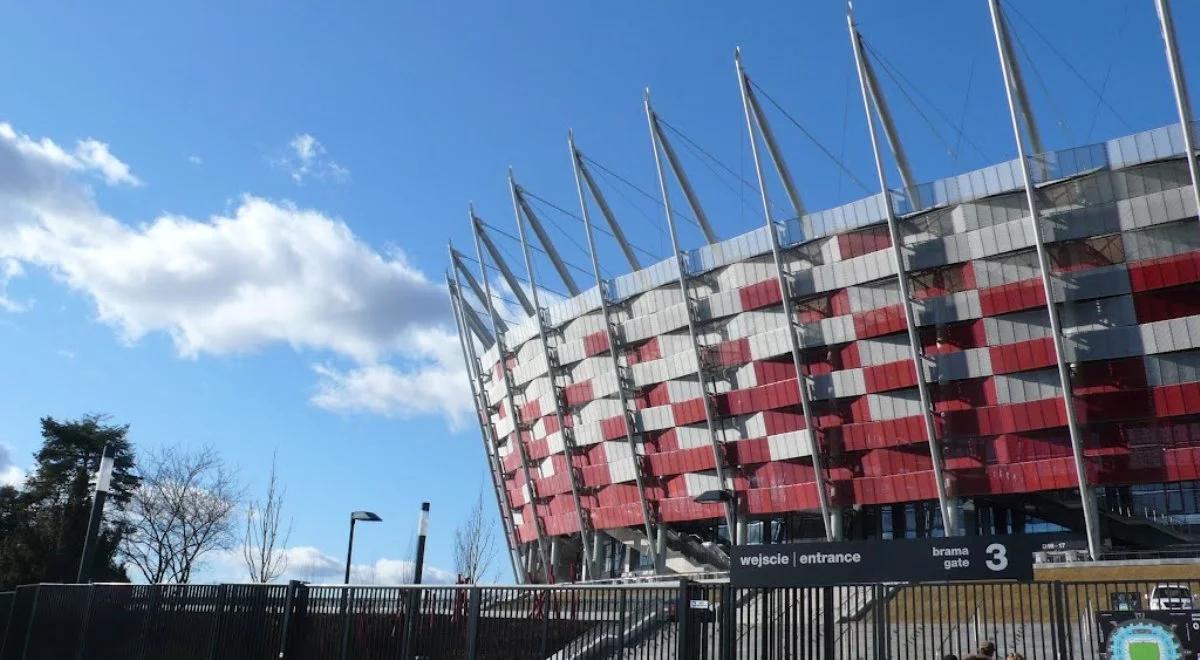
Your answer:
<point x="961" y="558"/>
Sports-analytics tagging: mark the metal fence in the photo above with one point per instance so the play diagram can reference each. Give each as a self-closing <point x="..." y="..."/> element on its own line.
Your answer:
<point x="659" y="621"/>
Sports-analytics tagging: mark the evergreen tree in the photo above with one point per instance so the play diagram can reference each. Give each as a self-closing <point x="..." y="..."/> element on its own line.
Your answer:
<point x="43" y="523"/>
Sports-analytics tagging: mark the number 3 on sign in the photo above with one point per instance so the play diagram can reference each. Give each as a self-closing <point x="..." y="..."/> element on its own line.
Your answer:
<point x="997" y="557"/>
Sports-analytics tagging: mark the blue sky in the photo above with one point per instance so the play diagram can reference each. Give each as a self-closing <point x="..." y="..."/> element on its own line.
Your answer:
<point x="265" y="274"/>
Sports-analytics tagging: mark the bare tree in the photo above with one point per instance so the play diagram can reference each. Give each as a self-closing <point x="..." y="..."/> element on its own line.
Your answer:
<point x="264" y="546"/>
<point x="182" y="510"/>
<point x="475" y="544"/>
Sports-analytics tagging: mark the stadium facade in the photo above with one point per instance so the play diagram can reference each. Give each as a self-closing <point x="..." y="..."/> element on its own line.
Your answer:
<point x="796" y="382"/>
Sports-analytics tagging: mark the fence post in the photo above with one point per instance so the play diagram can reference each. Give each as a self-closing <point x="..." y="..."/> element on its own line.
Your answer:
<point x="545" y="607"/>
<point x="622" y="614"/>
<point x="151" y="609"/>
<point x="765" y="622"/>
<point x="728" y="632"/>
<point x="288" y="619"/>
<point x="219" y="629"/>
<point x="683" y="617"/>
<point x="410" y="623"/>
<point x="86" y="622"/>
<point x="473" y="607"/>
<point x="1058" y="603"/>
<point x="347" y="613"/>
<point x="7" y="638"/>
<point x="37" y="591"/>
<point x="828" y="636"/>
<point x="879" y="604"/>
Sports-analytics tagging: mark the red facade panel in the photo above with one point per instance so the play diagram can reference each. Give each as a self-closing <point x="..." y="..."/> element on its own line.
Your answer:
<point x="1012" y="297"/>
<point x="877" y="322"/>
<point x="759" y="295"/>
<point x="1170" y="303"/>
<point x="890" y="376"/>
<point x="1165" y="272"/>
<point x="1023" y="356"/>
<point x="951" y="337"/>
<point x="857" y="243"/>
<point x="578" y="393"/>
<point x="595" y="343"/>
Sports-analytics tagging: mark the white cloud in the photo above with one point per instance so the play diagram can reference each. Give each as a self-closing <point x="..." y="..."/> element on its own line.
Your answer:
<point x="9" y="269"/>
<point x="195" y="160"/>
<point x="265" y="273"/>
<point x="89" y="156"/>
<point x="96" y="156"/>
<point x="435" y="383"/>
<point x="310" y="564"/>
<point x="307" y="159"/>
<point x="10" y="474"/>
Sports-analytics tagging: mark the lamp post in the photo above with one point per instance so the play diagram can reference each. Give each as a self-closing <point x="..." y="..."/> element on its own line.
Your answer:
<point x="365" y="516"/>
<point x="103" y="483"/>
<point x="722" y="495"/>
<point x="422" y="528"/>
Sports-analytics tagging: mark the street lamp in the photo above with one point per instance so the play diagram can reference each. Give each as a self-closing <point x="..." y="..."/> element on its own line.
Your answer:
<point x="730" y="499"/>
<point x="365" y="516"/>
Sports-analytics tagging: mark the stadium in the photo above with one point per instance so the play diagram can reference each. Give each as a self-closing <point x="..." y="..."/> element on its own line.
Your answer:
<point x="889" y="368"/>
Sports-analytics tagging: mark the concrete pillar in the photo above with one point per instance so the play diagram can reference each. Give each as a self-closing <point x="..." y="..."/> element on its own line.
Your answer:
<point x="599" y="541"/>
<point x="555" y="555"/>
<point x="660" y="543"/>
<point x="837" y="522"/>
<point x="529" y="555"/>
<point x="970" y="518"/>
<point x="956" y="512"/>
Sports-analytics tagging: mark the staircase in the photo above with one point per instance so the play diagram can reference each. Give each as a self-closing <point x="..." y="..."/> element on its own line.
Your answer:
<point x="1127" y="530"/>
<point x="682" y="554"/>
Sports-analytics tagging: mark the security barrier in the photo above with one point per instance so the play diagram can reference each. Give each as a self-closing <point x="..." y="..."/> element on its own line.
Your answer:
<point x="576" y="622"/>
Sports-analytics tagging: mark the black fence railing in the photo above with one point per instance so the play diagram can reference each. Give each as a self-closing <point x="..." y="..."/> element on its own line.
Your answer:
<point x="656" y="621"/>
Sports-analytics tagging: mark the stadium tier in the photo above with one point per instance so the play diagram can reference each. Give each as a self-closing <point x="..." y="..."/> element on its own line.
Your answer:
<point x="645" y="424"/>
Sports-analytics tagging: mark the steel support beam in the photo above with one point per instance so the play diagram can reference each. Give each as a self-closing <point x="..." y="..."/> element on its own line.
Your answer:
<point x="470" y="318"/>
<point x="510" y="397"/>
<point x="684" y="292"/>
<point x="949" y="517"/>
<point x="753" y="120"/>
<point x="1183" y="102"/>
<point x="1087" y="497"/>
<point x="1016" y="81"/>
<point x="867" y="71"/>
<point x="461" y="269"/>
<point x="476" y="325"/>
<point x="485" y="426"/>
<point x="513" y="283"/>
<point x="635" y="448"/>
<point x="661" y="142"/>
<point x="750" y="99"/>
<point x="581" y="169"/>
<point x="560" y="266"/>
<point x="551" y="366"/>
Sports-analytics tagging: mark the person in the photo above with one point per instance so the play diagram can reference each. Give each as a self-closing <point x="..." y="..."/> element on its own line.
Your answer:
<point x="1014" y="656"/>
<point x="986" y="652"/>
<point x="949" y="656"/>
